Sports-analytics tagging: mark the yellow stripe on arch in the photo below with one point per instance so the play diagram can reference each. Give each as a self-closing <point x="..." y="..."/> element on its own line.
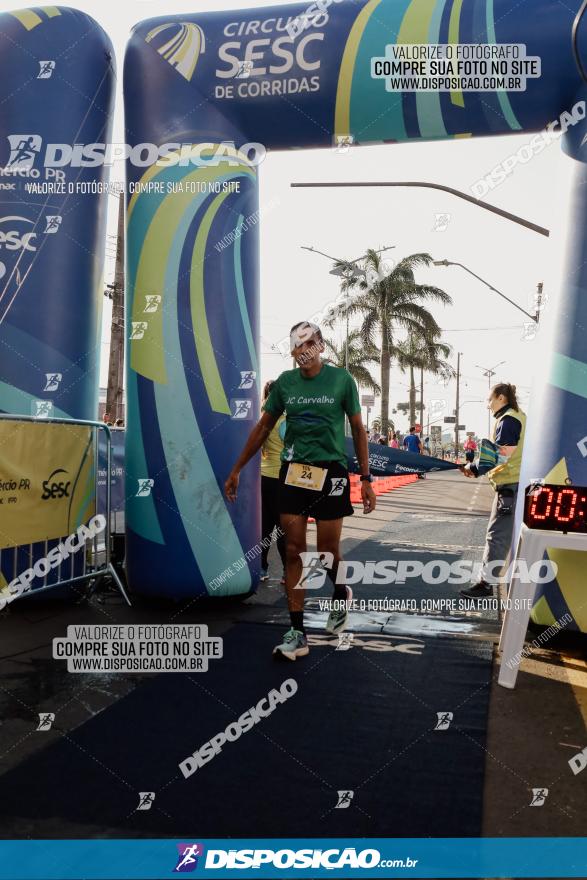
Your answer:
<point x="342" y="116"/>
<point x="202" y="338"/>
<point x="28" y="18"/>
<point x="457" y="97"/>
<point x="416" y="21"/>
<point x="147" y="355"/>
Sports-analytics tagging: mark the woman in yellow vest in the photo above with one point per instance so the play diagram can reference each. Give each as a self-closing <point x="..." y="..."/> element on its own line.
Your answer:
<point x="270" y="465"/>
<point x="508" y="435"/>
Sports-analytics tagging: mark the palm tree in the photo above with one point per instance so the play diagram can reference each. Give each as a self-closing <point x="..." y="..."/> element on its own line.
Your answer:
<point x="386" y="302"/>
<point x="358" y="357"/>
<point x="428" y="355"/>
<point x="434" y="362"/>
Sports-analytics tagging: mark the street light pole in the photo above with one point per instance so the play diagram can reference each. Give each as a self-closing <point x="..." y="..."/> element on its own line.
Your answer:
<point x="490" y="373"/>
<point x="534" y="317"/>
<point x="449" y="189"/>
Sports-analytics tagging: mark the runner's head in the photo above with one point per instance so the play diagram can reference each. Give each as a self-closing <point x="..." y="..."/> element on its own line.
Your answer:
<point x="267" y="389"/>
<point x="306" y="343"/>
<point x="502" y="394"/>
<point x="413" y="429"/>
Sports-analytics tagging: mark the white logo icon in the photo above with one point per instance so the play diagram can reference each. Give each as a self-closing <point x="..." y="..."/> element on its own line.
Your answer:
<point x="46" y="719"/>
<point x="530" y="330"/>
<point x="539" y="796"/>
<point x="579" y="761"/>
<point x="314" y="569"/>
<point x="344" y="142"/>
<point x="344" y="800"/>
<point x="52" y="223"/>
<point x="153" y="301"/>
<point x="145" y="486"/>
<point x="53" y="381"/>
<point x="243" y="409"/>
<point x="138" y="329"/>
<point x="373" y="275"/>
<point x="338" y="485"/>
<point x="441" y="222"/>
<point x="46" y="69"/>
<point x="42" y="409"/>
<point x="24" y="149"/>
<point x="247" y="379"/>
<point x="345" y="641"/>
<point x="146" y="799"/>
<point x="436" y="406"/>
<point x="244" y="70"/>
<point x="444" y="719"/>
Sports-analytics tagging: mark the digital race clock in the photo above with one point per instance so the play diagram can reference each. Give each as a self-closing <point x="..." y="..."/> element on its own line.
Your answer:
<point x="556" y="508"/>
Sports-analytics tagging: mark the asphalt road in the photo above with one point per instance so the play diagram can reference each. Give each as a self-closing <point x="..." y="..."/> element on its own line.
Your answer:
<point x="533" y="731"/>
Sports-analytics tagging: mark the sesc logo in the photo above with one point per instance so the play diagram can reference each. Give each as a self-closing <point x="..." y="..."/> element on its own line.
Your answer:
<point x="11" y="239"/>
<point x="183" y="49"/>
<point x="55" y="488"/>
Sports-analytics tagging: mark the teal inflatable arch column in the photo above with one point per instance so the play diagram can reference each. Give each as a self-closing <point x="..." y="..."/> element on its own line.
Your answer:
<point x="56" y="97"/>
<point x="207" y="90"/>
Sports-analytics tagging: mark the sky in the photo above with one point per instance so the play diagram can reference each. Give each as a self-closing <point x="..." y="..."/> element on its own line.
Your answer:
<point x="296" y="284"/>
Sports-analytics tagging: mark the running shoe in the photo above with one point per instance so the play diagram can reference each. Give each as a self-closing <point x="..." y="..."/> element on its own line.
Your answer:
<point x="481" y="590"/>
<point x="338" y="619"/>
<point x="295" y="644"/>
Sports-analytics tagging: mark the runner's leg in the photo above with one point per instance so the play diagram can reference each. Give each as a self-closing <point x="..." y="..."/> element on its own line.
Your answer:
<point x="294" y="526"/>
<point x="328" y="539"/>
<point x="328" y="533"/>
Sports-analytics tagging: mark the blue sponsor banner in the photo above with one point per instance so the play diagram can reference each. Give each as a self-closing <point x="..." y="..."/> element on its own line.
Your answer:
<point x="117" y="492"/>
<point x="377" y="857"/>
<point x="385" y="461"/>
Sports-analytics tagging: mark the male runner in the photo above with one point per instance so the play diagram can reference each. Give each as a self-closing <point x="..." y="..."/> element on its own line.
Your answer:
<point x="313" y="479"/>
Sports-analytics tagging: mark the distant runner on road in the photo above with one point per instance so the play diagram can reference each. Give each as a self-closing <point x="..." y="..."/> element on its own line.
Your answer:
<point x="313" y="478"/>
<point x="412" y="441"/>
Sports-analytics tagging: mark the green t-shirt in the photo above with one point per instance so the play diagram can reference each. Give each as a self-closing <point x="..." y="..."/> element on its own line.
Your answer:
<point x="315" y="411"/>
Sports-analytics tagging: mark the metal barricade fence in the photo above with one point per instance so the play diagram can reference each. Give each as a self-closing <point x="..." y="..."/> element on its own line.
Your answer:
<point x="51" y="562"/>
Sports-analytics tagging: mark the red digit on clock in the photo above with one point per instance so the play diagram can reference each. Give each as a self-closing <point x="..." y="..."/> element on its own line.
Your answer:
<point x="540" y="495"/>
<point x="560" y="503"/>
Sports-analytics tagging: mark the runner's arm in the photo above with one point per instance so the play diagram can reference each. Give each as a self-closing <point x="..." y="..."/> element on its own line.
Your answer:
<point x="362" y="453"/>
<point x="360" y="442"/>
<point x="255" y="441"/>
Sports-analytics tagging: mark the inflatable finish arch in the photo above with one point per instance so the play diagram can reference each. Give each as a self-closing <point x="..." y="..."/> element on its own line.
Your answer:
<point x="193" y="251"/>
<point x="56" y="75"/>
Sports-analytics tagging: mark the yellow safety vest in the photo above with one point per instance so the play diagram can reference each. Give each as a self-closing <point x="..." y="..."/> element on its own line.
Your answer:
<point x="509" y="472"/>
<point x="270" y="454"/>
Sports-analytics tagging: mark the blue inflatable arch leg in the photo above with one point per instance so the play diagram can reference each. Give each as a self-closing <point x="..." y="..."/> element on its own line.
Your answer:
<point x="207" y="90"/>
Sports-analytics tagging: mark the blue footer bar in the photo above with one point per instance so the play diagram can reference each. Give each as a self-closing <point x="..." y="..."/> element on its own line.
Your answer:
<point x="376" y="857"/>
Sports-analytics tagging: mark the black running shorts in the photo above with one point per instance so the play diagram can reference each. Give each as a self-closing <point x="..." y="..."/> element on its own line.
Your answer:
<point x="333" y="501"/>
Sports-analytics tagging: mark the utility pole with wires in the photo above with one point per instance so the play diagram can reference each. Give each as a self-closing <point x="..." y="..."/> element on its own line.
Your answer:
<point x="457" y="406"/>
<point x="114" y="394"/>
